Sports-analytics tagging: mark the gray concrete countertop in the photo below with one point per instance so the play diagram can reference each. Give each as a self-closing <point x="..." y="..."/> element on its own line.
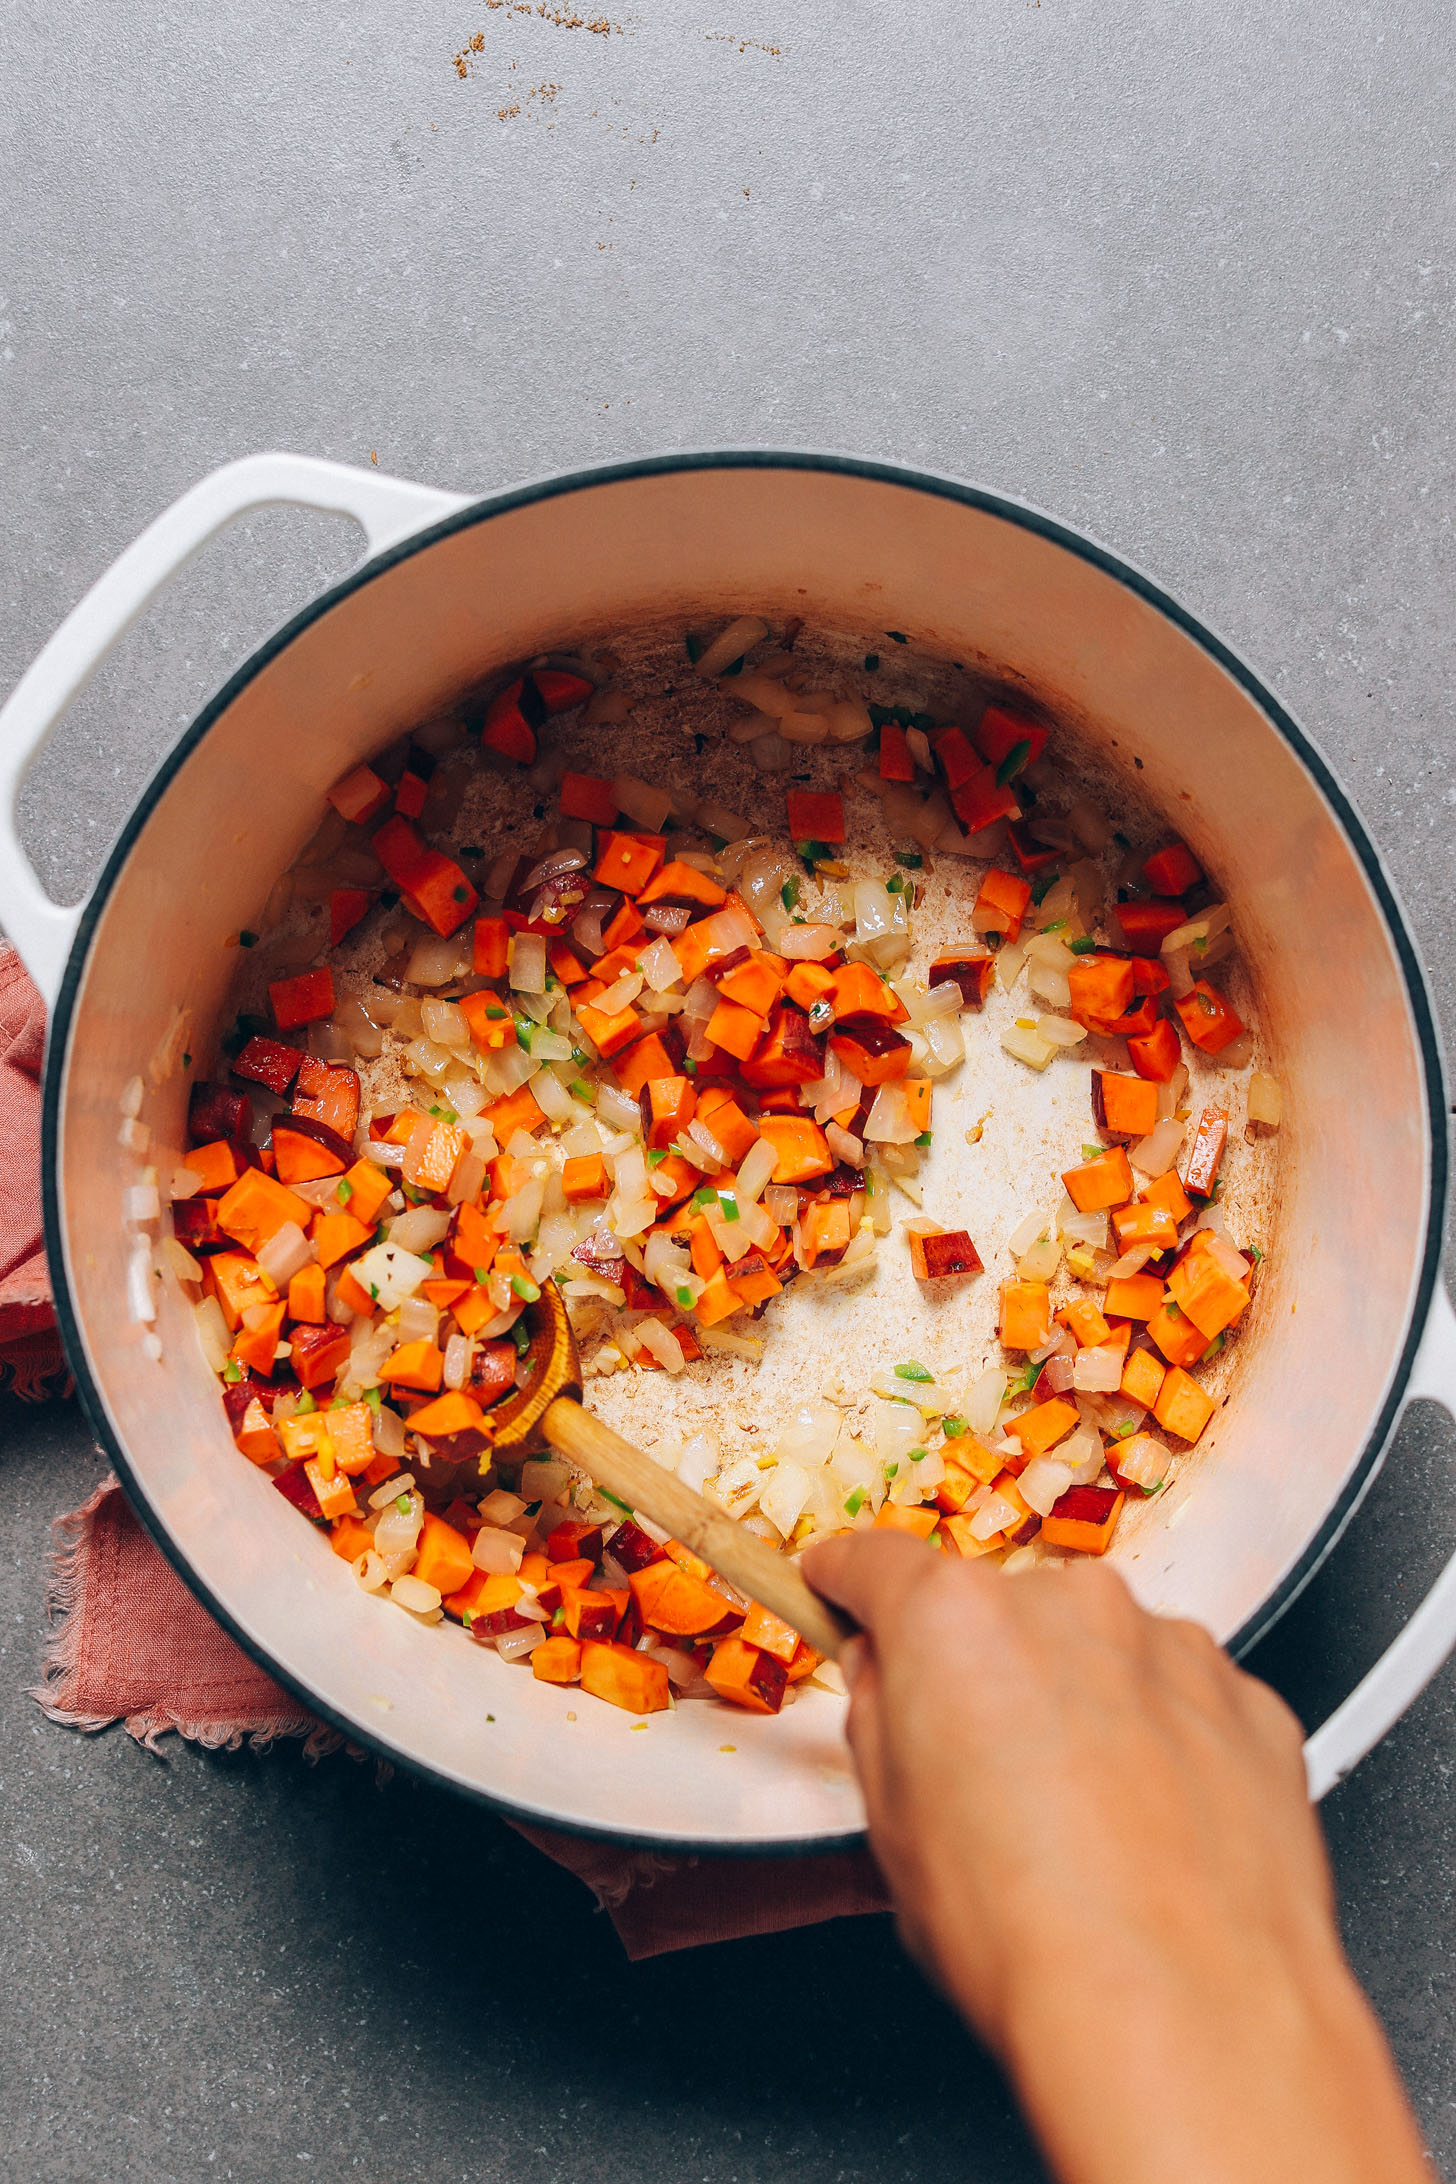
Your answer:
<point x="1182" y="276"/>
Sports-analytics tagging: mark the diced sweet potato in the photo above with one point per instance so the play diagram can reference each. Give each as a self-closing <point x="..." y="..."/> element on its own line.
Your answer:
<point x="1097" y="1185"/>
<point x="933" y="1258"/>
<point x="1206" y="1295"/>
<point x="1133" y="1296"/>
<point x="1001" y="904"/>
<point x="871" y="1048"/>
<point x="1085" y="1517"/>
<point x="556" y="1660"/>
<point x="800" y="1146"/>
<point x="1172" y="871"/>
<point x="1125" y="1107"/>
<point x="1084" y="1320"/>
<point x="971" y="969"/>
<point x="637" y="1682"/>
<point x="1025" y="1315"/>
<point x="1180" y="1341"/>
<point x="747" y="1675"/>
<point x="1182" y="1406"/>
<point x="788" y="1053"/>
<point x="1206" y="1152"/>
<point x="1040" y="1429"/>
<point x="674" y="1601"/>
<point x="1102" y="989"/>
<point x="1142" y="1377"/>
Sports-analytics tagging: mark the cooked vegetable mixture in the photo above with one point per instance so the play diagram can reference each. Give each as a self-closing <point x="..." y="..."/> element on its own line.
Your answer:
<point x="677" y="1066"/>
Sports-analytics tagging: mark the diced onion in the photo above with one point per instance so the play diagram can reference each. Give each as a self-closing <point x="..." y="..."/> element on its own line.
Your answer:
<point x="756" y="1171"/>
<point x="1265" y="1100"/>
<point x="638" y="801"/>
<point x="413" y="1593"/>
<point x="1155" y="1154"/>
<point x="285" y="1254"/>
<point x="212" y="1332"/>
<point x="528" y="963"/>
<point x="435" y="962"/>
<point x="369" y="1571"/>
<point x="730" y="645"/>
<point x="1097" y="1370"/>
<point x="1027" y="1044"/>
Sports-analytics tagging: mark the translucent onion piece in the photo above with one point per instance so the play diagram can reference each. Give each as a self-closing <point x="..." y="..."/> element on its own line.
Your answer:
<point x="810" y="943"/>
<point x="1027" y="1232"/>
<point x="516" y="1645"/>
<point x="1027" y="1045"/>
<point x="661" y="1343"/>
<point x="212" y="1332"/>
<point x="1238" y="1053"/>
<point x="1170" y="1095"/>
<point x="1009" y="962"/>
<point x="638" y="801"/>
<point x="1097" y="1370"/>
<point x="891" y="1121"/>
<point x="141" y="1203"/>
<point x="984" y="1399"/>
<point x="1061" y="1031"/>
<point x="141" y="1304"/>
<point x="434" y="962"/>
<point x="1265" y="1100"/>
<point x="1040" y="1262"/>
<point x="1155" y="1154"/>
<point x="1043" y="1483"/>
<point x="730" y="645"/>
<point x="1144" y="1461"/>
<point x="181" y="1261"/>
<point x="844" y="1146"/>
<point x="1050" y="985"/>
<point x="285" y="1254"/>
<point x="413" y="1593"/>
<point x="369" y="1571"/>
<point x="765" y="694"/>
<point x="559" y="861"/>
<point x="756" y="1171"/>
<point x="444" y="1022"/>
<point x="418" y="1230"/>
<point x="528" y="963"/>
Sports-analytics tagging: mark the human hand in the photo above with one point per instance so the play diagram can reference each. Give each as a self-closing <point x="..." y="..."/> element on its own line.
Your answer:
<point x="1098" y="1836"/>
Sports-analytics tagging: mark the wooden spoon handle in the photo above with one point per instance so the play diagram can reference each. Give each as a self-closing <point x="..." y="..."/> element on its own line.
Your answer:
<point x="746" y="1561"/>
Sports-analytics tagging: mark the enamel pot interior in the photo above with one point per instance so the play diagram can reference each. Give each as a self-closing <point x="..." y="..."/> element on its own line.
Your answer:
<point x="861" y="550"/>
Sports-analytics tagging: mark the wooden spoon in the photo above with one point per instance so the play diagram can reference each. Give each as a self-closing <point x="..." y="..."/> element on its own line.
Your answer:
<point x="547" y="1411"/>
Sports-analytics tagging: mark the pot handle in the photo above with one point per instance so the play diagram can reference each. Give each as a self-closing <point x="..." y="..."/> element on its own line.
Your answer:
<point x="386" y="509"/>
<point x="1406" y="1667"/>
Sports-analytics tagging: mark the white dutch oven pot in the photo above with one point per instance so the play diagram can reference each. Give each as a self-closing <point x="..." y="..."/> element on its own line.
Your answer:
<point x="1354" y="1317"/>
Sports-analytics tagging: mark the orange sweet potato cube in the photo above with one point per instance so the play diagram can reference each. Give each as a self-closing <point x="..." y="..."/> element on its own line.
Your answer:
<point x="1207" y="1296"/>
<point x="949" y="1251"/>
<point x="1133" y="1296"/>
<point x="1142" y="1376"/>
<point x="1182" y="1406"/>
<point x="1040" y="1429"/>
<point x="1098" y="1185"/>
<point x="1179" y="1340"/>
<point x="1085" y="1518"/>
<point x="1025" y="1315"/>
<point x="1085" y="1321"/>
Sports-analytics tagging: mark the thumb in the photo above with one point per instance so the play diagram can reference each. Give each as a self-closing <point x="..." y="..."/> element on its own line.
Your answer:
<point x="871" y="1574"/>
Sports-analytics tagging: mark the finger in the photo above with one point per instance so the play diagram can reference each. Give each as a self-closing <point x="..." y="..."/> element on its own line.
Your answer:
<point x="872" y="1574"/>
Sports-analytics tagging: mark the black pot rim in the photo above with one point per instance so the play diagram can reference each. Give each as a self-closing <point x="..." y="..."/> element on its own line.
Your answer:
<point x="558" y="486"/>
